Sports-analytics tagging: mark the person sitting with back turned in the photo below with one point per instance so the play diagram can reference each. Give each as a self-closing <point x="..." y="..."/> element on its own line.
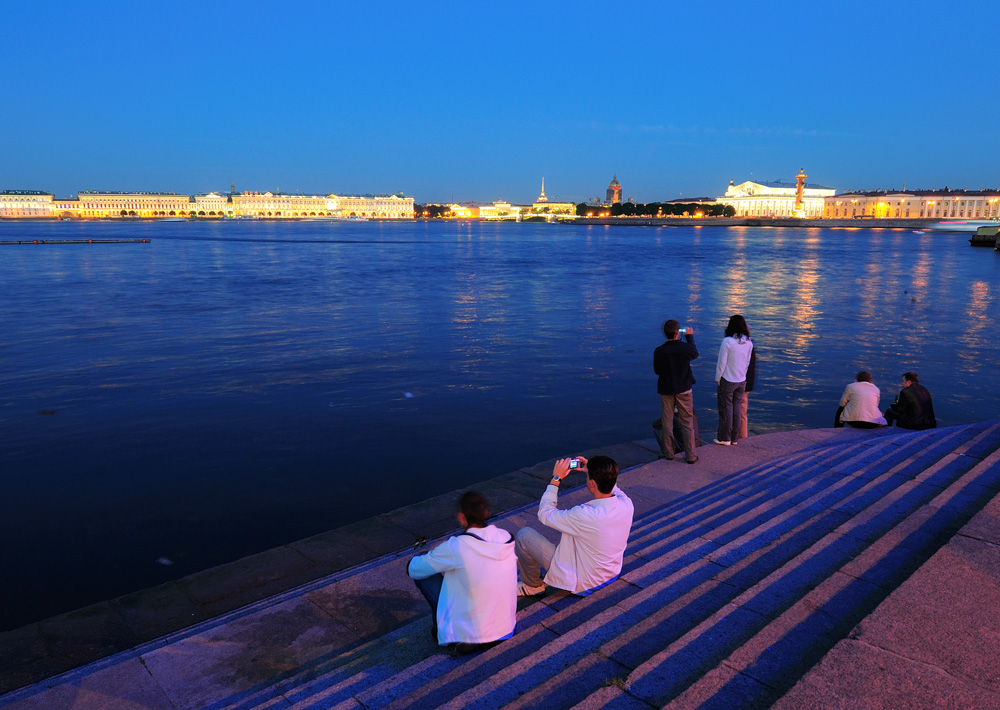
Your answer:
<point x="914" y="409"/>
<point x="470" y="580"/>
<point x="672" y="362"/>
<point x="859" y="404"/>
<point x="594" y="534"/>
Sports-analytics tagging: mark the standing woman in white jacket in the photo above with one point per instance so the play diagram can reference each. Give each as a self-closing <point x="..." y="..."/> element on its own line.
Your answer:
<point x="731" y="377"/>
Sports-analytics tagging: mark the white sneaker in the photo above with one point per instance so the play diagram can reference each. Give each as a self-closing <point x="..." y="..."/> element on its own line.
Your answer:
<point x="523" y="590"/>
<point x="722" y="443"/>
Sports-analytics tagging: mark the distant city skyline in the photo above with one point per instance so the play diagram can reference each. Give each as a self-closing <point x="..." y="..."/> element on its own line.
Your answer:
<point x="457" y="103"/>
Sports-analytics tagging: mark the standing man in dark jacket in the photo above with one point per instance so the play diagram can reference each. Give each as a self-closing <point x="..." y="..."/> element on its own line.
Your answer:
<point x="914" y="409"/>
<point x="672" y="362"/>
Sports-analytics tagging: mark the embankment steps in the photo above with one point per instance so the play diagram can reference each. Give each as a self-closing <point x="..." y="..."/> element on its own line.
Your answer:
<point x="729" y="595"/>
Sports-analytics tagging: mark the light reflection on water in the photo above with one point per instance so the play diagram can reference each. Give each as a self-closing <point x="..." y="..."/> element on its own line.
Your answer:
<point x="230" y="387"/>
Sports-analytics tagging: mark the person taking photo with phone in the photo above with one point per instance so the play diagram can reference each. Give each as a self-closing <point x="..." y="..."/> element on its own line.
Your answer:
<point x="593" y="535"/>
<point x="672" y="362"/>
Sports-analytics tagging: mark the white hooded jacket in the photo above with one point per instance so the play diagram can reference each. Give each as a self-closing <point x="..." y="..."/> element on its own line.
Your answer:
<point x="478" y="602"/>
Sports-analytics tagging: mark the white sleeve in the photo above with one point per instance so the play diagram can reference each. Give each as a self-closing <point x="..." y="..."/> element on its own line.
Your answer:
<point x="442" y="558"/>
<point x="720" y="366"/>
<point x="566" y="521"/>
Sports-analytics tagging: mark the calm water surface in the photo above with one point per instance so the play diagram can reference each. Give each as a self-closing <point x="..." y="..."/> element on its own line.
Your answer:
<point x="229" y="387"/>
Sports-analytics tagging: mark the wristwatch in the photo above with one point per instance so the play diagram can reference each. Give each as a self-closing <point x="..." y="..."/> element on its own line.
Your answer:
<point x="556" y="480"/>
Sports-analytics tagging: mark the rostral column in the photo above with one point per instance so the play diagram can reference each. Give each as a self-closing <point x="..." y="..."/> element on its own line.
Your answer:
<point x="800" y="183"/>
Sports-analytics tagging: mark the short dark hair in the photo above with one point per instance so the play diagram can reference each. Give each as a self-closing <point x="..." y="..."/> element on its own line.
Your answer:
<point x="864" y="376"/>
<point x="603" y="470"/>
<point x="912" y="377"/>
<point x="670" y="328"/>
<point x="737" y="326"/>
<point x="475" y="507"/>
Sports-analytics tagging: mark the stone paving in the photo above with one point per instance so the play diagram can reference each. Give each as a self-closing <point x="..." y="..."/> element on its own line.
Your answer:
<point x="354" y="637"/>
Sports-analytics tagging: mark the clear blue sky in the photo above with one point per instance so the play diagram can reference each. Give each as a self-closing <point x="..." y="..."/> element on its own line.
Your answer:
<point x="462" y="101"/>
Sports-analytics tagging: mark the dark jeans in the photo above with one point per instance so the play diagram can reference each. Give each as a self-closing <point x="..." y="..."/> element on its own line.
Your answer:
<point x="431" y="589"/>
<point x="730" y="409"/>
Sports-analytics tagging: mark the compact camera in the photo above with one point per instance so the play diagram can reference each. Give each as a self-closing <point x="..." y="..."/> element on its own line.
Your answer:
<point x="682" y="331"/>
<point x="574" y="463"/>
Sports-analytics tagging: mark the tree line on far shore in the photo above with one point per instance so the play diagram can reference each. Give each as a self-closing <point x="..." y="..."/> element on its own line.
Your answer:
<point x="656" y="209"/>
<point x="624" y="209"/>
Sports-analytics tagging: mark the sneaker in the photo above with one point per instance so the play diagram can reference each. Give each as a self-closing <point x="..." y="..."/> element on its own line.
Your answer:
<point x="722" y="443"/>
<point x="523" y="590"/>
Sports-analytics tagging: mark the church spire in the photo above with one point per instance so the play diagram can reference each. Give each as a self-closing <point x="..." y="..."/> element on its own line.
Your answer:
<point x="542" y="197"/>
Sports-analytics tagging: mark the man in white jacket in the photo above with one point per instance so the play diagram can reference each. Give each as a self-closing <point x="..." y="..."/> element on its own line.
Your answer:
<point x="594" y="534"/>
<point x="470" y="580"/>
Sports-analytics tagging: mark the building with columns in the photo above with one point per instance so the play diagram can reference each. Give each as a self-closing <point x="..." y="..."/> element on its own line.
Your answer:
<point x="775" y="199"/>
<point x="25" y="204"/>
<point x="94" y="204"/>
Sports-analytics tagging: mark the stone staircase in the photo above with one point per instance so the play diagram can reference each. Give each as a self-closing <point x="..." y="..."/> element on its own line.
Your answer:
<point x="728" y="597"/>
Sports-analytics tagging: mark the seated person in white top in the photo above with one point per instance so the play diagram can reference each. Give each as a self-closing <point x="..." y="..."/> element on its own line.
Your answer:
<point x="594" y="534"/>
<point x="859" y="405"/>
<point x="470" y="580"/>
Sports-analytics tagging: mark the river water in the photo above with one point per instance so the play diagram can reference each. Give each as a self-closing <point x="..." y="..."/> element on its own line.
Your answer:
<point x="229" y="387"/>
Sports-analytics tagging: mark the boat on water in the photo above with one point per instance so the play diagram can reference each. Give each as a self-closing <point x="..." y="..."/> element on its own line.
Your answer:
<point x="172" y="219"/>
<point x="241" y="216"/>
<point x="962" y="225"/>
<point x="986" y="236"/>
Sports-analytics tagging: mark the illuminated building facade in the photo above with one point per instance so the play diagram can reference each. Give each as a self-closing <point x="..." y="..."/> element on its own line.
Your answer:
<point x="376" y="207"/>
<point x="92" y="204"/>
<point x="549" y="207"/>
<point x="464" y="211"/>
<point x="936" y="204"/>
<point x="277" y="205"/>
<point x="212" y="204"/>
<point x="25" y="204"/>
<point x="543" y="205"/>
<point x="614" y="193"/>
<point x="65" y="207"/>
<point x="500" y="210"/>
<point x="776" y="199"/>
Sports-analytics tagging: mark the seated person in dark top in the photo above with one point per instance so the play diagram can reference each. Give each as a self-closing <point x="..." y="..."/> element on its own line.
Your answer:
<point x="914" y="409"/>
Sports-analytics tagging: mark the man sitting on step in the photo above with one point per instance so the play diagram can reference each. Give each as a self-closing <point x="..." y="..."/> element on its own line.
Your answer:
<point x="594" y="534"/>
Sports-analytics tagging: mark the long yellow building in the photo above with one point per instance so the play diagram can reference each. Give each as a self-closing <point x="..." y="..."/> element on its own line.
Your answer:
<point x="92" y="204"/>
<point x="937" y="204"/>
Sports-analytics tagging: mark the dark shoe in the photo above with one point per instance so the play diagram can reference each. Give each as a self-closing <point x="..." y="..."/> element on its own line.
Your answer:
<point x="694" y="460"/>
<point x="464" y="649"/>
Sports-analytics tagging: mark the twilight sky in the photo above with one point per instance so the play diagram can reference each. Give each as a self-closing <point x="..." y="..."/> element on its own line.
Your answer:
<point x="467" y="101"/>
